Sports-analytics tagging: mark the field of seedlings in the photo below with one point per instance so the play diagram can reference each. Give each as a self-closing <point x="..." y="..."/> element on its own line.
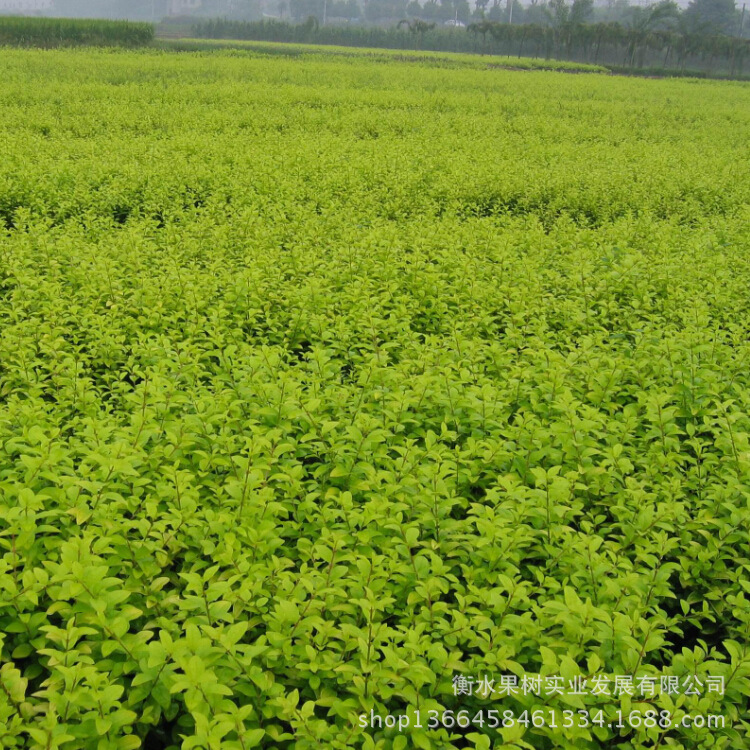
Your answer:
<point x="371" y="402"/>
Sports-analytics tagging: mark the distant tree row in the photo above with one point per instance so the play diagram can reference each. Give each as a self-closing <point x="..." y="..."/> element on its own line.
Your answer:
<point x="301" y="9"/>
<point x="154" y="10"/>
<point x="648" y="41"/>
<point x="658" y="38"/>
<point x="700" y="17"/>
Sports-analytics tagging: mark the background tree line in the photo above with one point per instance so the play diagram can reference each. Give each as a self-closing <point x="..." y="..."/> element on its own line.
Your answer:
<point x="700" y="17"/>
<point x="704" y="37"/>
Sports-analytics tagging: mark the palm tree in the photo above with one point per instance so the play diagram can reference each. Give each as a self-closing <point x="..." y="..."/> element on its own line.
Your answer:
<point x="607" y="34"/>
<point x="740" y="48"/>
<point x="645" y="21"/>
<point x="417" y="27"/>
<point x="481" y="27"/>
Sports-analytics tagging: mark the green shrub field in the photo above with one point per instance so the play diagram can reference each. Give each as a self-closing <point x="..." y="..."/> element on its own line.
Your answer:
<point x="381" y="55"/>
<point x="19" y="31"/>
<point x="329" y="382"/>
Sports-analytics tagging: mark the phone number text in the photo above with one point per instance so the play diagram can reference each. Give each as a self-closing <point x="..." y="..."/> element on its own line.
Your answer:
<point x="539" y="718"/>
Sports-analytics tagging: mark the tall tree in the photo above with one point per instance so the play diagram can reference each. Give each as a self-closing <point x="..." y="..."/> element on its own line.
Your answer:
<point x="712" y="16"/>
<point x="417" y="28"/>
<point x="558" y="12"/>
<point x="581" y="11"/>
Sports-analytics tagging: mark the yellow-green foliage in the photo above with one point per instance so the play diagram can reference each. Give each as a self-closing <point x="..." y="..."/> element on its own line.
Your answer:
<point x="440" y="59"/>
<point x="325" y="379"/>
